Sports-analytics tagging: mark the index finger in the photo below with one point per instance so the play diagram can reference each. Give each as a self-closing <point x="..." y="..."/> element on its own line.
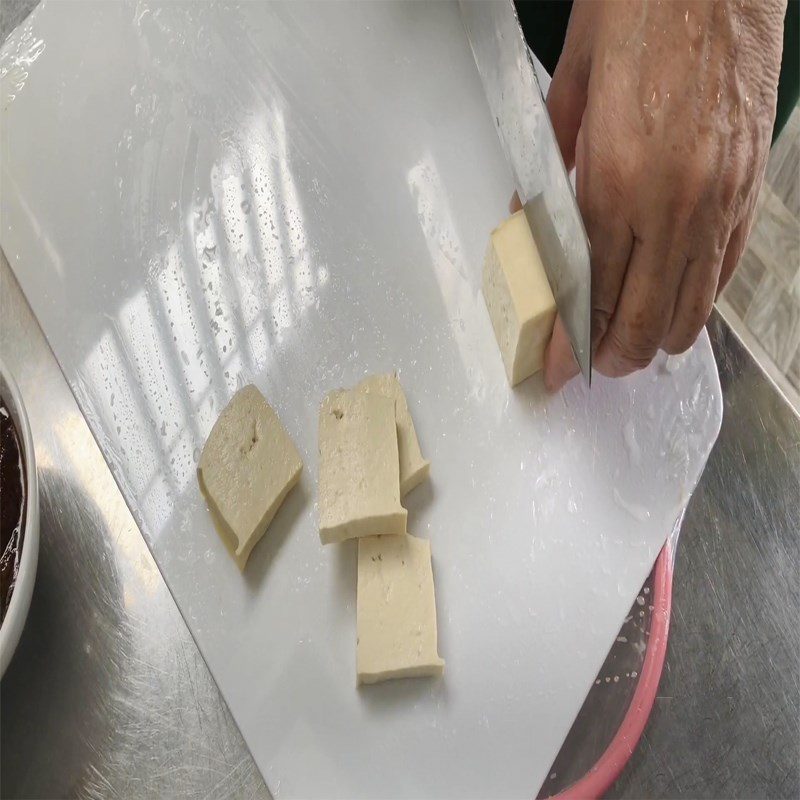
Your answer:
<point x="644" y="310"/>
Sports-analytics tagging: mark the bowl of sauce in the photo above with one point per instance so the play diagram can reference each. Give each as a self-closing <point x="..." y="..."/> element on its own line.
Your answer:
<point x="19" y="516"/>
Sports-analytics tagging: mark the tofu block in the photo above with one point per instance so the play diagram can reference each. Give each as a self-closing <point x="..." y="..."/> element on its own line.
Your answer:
<point x="518" y="296"/>
<point x="248" y="466"/>
<point x="413" y="467"/>
<point x="395" y="610"/>
<point x="359" y="467"/>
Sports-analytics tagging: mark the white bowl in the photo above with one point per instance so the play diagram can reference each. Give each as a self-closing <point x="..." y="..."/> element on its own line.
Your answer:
<point x="23" y="589"/>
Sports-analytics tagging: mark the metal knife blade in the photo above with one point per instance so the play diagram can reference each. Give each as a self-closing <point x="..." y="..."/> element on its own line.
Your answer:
<point x="526" y="134"/>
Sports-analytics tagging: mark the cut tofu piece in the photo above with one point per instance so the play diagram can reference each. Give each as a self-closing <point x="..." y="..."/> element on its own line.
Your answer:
<point x="359" y="467"/>
<point x="518" y="296"/>
<point x="395" y="610"/>
<point x="413" y="467"/>
<point x="248" y="466"/>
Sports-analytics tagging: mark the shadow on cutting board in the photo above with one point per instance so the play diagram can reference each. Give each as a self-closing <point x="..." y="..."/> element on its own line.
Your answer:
<point x="260" y="561"/>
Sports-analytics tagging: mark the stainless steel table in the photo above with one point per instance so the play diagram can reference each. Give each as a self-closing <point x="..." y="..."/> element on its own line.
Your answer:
<point x="108" y="695"/>
<point x="727" y="719"/>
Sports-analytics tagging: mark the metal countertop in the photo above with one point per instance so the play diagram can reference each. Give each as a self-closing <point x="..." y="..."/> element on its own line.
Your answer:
<point x="727" y="719"/>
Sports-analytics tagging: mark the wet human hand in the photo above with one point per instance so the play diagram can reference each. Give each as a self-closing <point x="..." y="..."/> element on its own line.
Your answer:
<point x="666" y="110"/>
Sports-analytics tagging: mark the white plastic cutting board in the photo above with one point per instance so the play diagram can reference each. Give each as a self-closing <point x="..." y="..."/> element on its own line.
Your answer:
<point x="198" y="196"/>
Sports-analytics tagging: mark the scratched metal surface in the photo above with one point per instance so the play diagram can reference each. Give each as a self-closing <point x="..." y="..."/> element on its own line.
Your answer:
<point x="727" y="719"/>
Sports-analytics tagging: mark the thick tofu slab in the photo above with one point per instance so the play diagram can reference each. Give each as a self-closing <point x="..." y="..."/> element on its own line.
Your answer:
<point x="248" y="466"/>
<point x="413" y="467"/>
<point x="518" y="296"/>
<point x="359" y="467"/>
<point x="396" y="610"/>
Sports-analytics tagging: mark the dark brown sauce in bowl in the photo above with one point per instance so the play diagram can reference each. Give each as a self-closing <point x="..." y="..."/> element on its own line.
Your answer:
<point x="12" y="506"/>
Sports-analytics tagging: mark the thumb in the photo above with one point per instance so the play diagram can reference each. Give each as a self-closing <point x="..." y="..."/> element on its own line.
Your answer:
<point x="566" y="99"/>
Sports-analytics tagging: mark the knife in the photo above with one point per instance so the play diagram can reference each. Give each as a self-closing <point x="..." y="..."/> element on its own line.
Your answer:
<point x="526" y="134"/>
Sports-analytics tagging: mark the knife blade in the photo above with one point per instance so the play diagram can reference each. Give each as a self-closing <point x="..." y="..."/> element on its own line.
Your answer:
<point x="531" y="149"/>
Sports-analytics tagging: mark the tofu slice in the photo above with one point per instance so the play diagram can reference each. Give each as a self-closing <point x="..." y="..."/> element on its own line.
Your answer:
<point x="413" y="467"/>
<point x="395" y="610"/>
<point x="359" y="467"/>
<point x="518" y="296"/>
<point x="248" y="466"/>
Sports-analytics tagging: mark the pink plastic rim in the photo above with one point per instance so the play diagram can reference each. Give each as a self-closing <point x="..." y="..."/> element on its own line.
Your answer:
<point x="618" y="753"/>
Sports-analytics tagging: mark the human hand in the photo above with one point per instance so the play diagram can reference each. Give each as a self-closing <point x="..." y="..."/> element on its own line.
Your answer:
<point x="666" y="110"/>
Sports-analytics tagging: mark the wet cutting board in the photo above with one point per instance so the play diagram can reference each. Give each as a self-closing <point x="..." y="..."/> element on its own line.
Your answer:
<point x="197" y="196"/>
